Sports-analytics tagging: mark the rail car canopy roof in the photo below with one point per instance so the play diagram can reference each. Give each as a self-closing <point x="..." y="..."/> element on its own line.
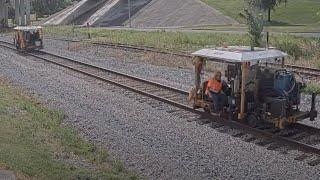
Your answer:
<point x="240" y="54"/>
<point x="27" y="28"/>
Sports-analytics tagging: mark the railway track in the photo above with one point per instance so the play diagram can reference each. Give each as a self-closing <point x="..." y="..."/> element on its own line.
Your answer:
<point x="307" y="72"/>
<point x="304" y="139"/>
<point x="131" y="47"/>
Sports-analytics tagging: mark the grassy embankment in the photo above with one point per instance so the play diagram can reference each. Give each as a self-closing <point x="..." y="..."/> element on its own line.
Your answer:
<point x="295" y="16"/>
<point x="272" y="28"/>
<point x="35" y="145"/>
<point x="295" y="12"/>
<point x="303" y="51"/>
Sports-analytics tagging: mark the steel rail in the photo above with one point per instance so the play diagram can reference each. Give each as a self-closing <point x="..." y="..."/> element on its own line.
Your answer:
<point x="127" y="46"/>
<point x="232" y="124"/>
<point x="113" y="71"/>
<point x="307" y="71"/>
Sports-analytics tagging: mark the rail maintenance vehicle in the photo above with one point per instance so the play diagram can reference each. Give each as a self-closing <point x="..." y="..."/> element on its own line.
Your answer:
<point x="27" y="38"/>
<point x="257" y="86"/>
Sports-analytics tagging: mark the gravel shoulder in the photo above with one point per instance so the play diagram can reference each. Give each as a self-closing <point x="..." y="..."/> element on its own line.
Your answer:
<point x="166" y="69"/>
<point x="144" y="134"/>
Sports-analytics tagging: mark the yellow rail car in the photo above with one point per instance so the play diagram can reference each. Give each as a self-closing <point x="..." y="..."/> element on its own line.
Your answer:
<point x="28" y="38"/>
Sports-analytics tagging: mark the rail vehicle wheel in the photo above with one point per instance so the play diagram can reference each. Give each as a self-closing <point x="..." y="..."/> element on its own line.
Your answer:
<point x="231" y="116"/>
<point x="207" y="110"/>
<point x="194" y="106"/>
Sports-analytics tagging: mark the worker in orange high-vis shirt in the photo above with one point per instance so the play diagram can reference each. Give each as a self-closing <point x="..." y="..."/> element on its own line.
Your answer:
<point x="214" y="91"/>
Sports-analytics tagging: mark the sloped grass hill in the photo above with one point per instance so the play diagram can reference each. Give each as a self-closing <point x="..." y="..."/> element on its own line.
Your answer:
<point x="295" y="12"/>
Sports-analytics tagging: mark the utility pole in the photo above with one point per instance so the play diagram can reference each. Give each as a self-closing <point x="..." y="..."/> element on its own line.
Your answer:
<point x="129" y="9"/>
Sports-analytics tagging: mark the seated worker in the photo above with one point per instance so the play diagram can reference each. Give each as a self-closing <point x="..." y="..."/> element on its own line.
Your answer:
<point x="214" y="91"/>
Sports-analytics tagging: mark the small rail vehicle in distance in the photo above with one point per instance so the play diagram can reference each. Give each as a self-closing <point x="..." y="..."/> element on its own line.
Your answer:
<point x="28" y="38"/>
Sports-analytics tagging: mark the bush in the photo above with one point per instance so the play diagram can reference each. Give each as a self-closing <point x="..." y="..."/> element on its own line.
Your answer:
<point x="44" y="7"/>
<point x="312" y="87"/>
<point x="289" y="45"/>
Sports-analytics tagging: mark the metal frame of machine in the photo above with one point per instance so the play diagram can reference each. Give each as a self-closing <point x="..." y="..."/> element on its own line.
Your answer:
<point x="256" y="92"/>
<point x="28" y="38"/>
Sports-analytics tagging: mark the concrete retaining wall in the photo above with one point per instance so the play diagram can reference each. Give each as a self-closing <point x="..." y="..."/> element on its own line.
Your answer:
<point x="145" y="13"/>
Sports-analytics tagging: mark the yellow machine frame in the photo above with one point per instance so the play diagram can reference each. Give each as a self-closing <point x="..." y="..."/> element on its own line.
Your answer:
<point x="28" y="37"/>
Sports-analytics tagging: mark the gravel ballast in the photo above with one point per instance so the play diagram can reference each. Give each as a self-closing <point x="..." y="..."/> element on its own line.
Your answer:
<point x="165" y="69"/>
<point x="155" y="143"/>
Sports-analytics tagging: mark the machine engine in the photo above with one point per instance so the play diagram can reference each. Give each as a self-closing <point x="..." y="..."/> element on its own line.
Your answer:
<point x="279" y="92"/>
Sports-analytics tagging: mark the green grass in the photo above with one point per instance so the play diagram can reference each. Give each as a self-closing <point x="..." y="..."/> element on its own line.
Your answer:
<point x="4" y="30"/>
<point x="270" y="28"/>
<point x="312" y="87"/>
<point x="180" y="41"/>
<point x="294" y="12"/>
<point x="298" y="12"/>
<point x="230" y="8"/>
<point x="35" y="145"/>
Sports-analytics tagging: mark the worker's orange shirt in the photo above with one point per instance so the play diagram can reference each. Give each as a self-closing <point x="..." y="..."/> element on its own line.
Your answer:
<point x="214" y="85"/>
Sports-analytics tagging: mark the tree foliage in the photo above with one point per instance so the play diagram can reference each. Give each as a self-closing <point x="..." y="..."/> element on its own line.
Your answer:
<point x="254" y="17"/>
<point x="48" y="7"/>
<point x="268" y="5"/>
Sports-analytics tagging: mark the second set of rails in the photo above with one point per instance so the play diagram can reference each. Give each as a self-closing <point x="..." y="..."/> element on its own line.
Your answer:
<point x="305" y="139"/>
<point x="308" y="72"/>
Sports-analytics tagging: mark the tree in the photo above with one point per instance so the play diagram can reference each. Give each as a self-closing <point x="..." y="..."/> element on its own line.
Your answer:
<point x="254" y="17"/>
<point x="48" y="7"/>
<point x="268" y="5"/>
<point x="43" y="7"/>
